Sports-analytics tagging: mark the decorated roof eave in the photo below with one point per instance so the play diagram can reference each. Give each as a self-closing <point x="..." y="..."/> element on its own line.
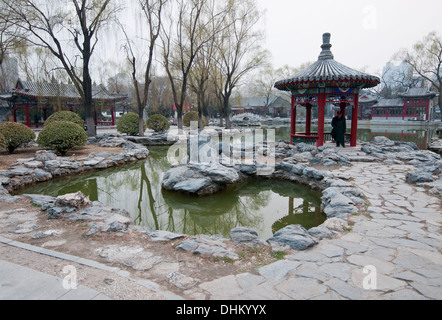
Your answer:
<point x="335" y="83"/>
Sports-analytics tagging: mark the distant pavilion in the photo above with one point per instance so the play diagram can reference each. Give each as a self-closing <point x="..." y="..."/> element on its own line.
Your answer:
<point x="325" y="82"/>
<point x="32" y="103"/>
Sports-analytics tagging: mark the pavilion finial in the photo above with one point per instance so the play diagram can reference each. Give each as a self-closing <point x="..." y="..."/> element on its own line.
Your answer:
<point x="326" y="53"/>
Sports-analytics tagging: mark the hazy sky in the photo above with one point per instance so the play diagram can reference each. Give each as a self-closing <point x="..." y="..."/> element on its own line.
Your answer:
<point x="365" y="34"/>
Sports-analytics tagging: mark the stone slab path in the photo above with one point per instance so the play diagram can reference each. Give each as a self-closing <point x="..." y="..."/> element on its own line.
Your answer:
<point x="392" y="252"/>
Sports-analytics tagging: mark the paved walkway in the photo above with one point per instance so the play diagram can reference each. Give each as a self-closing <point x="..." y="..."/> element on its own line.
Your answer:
<point x="21" y="283"/>
<point x="395" y="253"/>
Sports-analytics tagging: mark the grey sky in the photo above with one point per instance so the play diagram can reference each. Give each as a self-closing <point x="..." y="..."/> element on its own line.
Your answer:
<point x="365" y="34"/>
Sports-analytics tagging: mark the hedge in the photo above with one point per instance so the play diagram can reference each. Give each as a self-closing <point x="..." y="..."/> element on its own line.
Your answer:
<point x="16" y="135"/>
<point x="2" y="142"/>
<point x="65" y="116"/>
<point x="158" y="123"/>
<point x="193" y="116"/>
<point x="62" y="136"/>
<point x="129" y="124"/>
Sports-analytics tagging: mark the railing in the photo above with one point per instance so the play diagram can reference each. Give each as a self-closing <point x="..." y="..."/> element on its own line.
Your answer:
<point x="313" y="137"/>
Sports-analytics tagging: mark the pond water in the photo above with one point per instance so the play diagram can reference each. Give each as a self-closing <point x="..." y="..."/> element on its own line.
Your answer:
<point x="262" y="205"/>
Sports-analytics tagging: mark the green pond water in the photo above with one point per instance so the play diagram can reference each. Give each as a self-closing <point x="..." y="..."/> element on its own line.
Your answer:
<point x="260" y="204"/>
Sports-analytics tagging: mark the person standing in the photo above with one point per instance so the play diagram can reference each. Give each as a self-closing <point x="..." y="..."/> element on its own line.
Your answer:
<point x="339" y="125"/>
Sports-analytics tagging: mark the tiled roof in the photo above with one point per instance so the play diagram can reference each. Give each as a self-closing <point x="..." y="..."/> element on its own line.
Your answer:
<point x="417" y="92"/>
<point x="67" y="91"/>
<point x="326" y="69"/>
<point x="390" y="103"/>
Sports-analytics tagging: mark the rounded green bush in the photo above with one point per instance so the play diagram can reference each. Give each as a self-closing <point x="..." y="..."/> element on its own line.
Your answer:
<point x="65" y="116"/>
<point x="193" y="116"/>
<point x="62" y="136"/>
<point x="16" y="135"/>
<point x="158" y="123"/>
<point x="128" y="124"/>
<point x="2" y="142"/>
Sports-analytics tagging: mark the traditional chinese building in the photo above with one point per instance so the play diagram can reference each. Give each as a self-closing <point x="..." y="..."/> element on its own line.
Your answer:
<point x="325" y="82"/>
<point x="415" y="104"/>
<point x="273" y="106"/>
<point x="32" y="103"/>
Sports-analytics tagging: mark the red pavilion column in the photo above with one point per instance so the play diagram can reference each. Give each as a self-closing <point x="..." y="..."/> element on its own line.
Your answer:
<point x="321" y="119"/>
<point x="308" y="121"/>
<point x="28" y="119"/>
<point x="354" y="123"/>
<point x="293" y="127"/>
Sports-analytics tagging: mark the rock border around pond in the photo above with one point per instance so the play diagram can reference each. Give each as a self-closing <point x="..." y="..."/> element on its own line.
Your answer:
<point x="340" y="198"/>
<point x="46" y="165"/>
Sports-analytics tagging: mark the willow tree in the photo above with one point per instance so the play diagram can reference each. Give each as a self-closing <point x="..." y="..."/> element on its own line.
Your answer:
<point x="69" y="30"/>
<point x="238" y="51"/>
<point x="426" y="60"/>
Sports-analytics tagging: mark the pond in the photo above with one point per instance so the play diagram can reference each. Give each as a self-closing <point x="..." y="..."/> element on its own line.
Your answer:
<point x="260" y="204"/>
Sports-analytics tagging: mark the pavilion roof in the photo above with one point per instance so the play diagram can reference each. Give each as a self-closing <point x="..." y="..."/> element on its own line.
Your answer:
<point x="327" y="70"/>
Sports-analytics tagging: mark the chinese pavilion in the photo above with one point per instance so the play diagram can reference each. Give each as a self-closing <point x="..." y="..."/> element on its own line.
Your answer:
<point x="325" y="82"/>
<point x="32" y="103"/>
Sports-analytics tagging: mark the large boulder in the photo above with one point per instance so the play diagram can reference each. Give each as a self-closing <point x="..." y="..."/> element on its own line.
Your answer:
<point x="295" y="236"/>
<point x="199" y="179"/>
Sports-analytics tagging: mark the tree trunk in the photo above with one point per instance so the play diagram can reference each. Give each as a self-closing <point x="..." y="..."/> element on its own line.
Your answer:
<point x="180" y="117"/>
<point x="141" y="123"/>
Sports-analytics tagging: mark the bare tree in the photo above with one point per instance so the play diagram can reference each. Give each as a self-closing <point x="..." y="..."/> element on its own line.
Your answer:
<point x="426" y="60"/>
<point x="55" y="25"/>
<point x="183" y="40"/>
<point x="238" y="50"/>
<point x="153" y="14"/>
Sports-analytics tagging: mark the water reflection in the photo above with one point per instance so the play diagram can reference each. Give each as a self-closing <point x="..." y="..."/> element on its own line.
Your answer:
<point x="422" y="136"/>
<point x="263" y="205"/>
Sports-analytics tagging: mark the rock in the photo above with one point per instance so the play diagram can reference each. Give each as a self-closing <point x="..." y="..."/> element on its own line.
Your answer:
<point x="199" y="179"/>
<point x="321" y="232"/>
<point x="42" y="175"/>
<point x="40" y="200"/>
<point x="74" y="200"/>
<point x="336" y="224"/>
<point x="48" y="233"/>
<point x="159" y="236"/>
<point x="419" y="177"/>
<point x="43" y="156"/>
<point x="34" y="164"/>
<point x="204" y="245"/>
<point x="294" y="236"/>
<point x="384" y="141"/>
<point x="246" y="236"/>
<point x="9" y="199"/>
<point x="313" y="173"/>
<point x="3" y="191"/>
<point x="192" y="185"/>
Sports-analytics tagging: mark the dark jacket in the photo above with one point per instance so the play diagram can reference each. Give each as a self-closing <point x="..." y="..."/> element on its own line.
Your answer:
<point x="339" y="129"/>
